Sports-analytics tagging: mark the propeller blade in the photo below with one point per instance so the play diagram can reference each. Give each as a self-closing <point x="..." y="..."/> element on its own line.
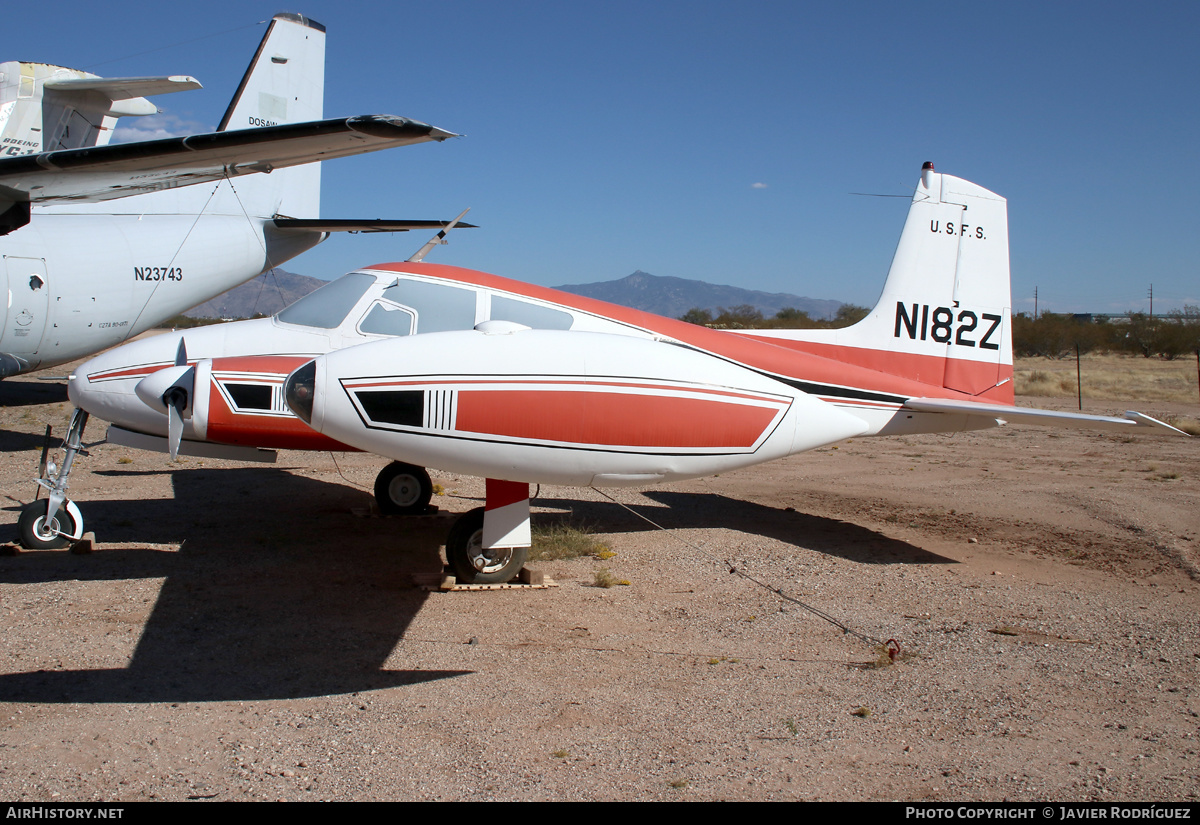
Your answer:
<point x="175" y="403"/>
<point x="176" y="400"/>
<point x="181" y="353"/>
<point x="45" y="452"/>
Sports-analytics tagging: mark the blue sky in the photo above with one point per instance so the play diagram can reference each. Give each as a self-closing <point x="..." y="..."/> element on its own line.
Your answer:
<point x="606" y="137"/>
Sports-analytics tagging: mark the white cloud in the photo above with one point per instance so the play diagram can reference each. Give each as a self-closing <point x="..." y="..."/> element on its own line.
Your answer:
<point x="758" y="186"/>
<point x="156" y="127"/>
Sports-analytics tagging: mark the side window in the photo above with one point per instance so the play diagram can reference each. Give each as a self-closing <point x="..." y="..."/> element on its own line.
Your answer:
<point x="439" y="308"/>
<point x="386" y="319"/>
<point x="531" y="315"/>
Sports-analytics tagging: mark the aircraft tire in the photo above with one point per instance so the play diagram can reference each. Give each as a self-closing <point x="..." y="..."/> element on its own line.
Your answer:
<point x="474" y="565"/>
<point x="33" y="528"/>
<point x="403" y="490"/>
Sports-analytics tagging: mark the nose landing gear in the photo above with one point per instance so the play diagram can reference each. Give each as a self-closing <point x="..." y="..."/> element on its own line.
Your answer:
<point x="54" y="522"/>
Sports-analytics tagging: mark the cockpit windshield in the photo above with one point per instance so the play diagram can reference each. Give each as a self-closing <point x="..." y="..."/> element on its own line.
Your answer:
<point x="328" y="306"/>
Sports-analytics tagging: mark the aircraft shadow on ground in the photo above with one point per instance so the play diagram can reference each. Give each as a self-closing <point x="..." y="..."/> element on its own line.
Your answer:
<point x="24" y="393"/>
<point x="686" y="510"/>
<point x="277" y="592"/>
<point x="31" y="392"/>
<point x="14" y="442"/>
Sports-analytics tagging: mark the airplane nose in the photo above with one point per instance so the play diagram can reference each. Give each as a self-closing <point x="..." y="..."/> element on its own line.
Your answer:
<point x="300" y="389"/>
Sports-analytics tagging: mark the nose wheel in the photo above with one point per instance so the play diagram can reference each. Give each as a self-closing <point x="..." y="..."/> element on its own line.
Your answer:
<point x="41" y="533"/>
<point x="403" y="490"/>
<point x="54" y="522"/>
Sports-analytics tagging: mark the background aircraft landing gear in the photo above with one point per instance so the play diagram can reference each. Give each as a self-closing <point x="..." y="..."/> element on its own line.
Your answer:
<point x="403" y="490"/>
<point x="471" y="563"/>
<point x="52" y="523"/>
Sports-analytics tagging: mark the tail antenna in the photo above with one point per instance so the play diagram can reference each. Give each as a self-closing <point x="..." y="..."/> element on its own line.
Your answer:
<point x="439" y="238"/>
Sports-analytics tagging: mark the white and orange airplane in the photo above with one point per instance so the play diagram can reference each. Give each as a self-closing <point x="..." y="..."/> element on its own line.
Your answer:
<point x="437" y="366"/>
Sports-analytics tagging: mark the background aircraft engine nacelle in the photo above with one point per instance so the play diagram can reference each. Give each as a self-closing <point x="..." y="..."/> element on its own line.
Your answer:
<point x="558" y="407"/>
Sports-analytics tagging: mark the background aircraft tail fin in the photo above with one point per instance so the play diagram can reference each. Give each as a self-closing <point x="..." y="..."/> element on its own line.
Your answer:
<point x="285" y="83"/>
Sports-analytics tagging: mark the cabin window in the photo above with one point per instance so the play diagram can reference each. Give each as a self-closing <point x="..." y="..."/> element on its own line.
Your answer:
<point x="533" y="316"/>
<point x="328" y="306"/>
<point x="439" y="308"/>
<point x="386" y="319"/>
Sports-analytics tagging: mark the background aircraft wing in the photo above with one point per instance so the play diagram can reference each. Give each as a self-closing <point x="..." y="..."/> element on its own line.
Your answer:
<point x="351" y="225"/>
<point x="103" y="173"/>
<point x="1045" y="418"/>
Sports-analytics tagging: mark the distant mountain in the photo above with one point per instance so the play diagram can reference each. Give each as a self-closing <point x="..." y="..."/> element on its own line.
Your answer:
<point x="266" y="294"/>
<point x="673" y="297"/>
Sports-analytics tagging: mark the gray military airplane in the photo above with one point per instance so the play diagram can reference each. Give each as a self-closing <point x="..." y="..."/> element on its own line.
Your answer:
<point x="100" y="242"/>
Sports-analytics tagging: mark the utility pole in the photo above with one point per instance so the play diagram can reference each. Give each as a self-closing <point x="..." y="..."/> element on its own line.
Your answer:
<point x="1034" y="303"/>
<point x="1150" y="295"/>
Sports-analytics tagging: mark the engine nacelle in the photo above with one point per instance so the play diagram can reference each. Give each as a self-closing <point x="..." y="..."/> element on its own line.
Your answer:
<point x="235" y="400"/>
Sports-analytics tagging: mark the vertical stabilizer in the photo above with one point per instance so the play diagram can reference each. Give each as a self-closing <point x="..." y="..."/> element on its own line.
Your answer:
<point x="947" y="294"/>
<point x="944" y="317"/>
<point x="285" y="83"/>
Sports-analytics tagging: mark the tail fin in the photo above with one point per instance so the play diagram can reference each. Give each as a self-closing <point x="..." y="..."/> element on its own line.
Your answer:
<point x="944" y="317"/>
<point x="285" y="83"/>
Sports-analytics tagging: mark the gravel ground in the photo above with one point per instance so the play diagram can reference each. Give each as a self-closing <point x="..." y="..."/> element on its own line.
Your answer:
<point x="242" y="634"/>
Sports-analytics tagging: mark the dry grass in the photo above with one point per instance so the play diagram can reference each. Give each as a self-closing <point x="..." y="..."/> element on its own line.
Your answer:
<point x="1110" y="377"/>
<point x="605" y="578"/>
<point x="559" y="540"/>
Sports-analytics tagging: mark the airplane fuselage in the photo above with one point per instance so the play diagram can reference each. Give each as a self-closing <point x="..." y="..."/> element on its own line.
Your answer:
<point x="80" y="283"/>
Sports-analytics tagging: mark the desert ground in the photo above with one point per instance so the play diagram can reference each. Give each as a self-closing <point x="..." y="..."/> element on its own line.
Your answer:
<point x="244" y="632"/>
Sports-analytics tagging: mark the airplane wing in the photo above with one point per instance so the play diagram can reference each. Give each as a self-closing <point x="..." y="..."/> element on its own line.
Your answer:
<point x="1045" y="418"/>
<point x="103" y="173"/>
<point x="350" y="225"/>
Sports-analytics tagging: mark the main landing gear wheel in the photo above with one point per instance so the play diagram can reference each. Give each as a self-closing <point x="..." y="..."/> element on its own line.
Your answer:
<point x="471" y="563"/>
<point x="38" y="534"/>
<point x="403" y="490"/>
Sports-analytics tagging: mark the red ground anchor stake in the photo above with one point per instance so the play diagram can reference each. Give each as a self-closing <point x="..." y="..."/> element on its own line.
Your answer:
<point x="893" y="652"/>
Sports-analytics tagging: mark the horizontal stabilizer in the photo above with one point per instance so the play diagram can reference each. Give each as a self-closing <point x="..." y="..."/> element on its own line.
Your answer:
<point x="103" y="173"/>
<point x="124" y="88"/>
<point x="1044" y="418"/>
<point x="319" y="225"/>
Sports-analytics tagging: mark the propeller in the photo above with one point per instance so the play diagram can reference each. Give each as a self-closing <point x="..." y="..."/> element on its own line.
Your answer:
<point x="170" y="391"/>
<point x="176" y="399"/>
